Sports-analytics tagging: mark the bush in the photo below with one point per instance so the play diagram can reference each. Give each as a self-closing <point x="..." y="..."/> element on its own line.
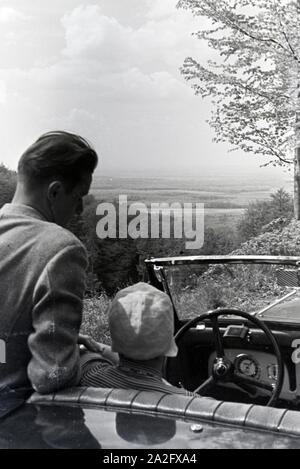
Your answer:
<point x="260" y="213"/>
<point x="95" y="321"/>
<point x="8" y="181"/>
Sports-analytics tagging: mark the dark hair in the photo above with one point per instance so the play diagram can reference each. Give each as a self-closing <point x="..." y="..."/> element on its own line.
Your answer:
<point x="58" y="154"/>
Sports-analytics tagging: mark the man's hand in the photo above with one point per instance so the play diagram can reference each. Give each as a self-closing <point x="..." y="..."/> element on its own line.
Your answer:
<point x="94" y="346"/>
<point x="91" y="344"/>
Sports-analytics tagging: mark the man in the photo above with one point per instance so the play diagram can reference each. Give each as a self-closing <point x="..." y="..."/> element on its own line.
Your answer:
<point x="141" y="324"/>
<point x="42" y="266"/>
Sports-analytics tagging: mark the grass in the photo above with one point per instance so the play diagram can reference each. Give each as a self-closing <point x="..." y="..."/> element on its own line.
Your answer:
<point x="95" y="321"/>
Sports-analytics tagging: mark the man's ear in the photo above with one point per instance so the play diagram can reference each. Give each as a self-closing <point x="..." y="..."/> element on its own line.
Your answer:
<point x="54" y="190"/>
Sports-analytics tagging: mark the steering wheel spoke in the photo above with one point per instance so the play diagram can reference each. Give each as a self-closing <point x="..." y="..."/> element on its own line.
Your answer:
<point x="247" y="380"/>
<point x="217" y="336"/>
<point x="205" y="386"/>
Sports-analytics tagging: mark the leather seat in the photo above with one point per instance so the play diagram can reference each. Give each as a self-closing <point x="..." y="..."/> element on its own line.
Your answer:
<point x="196" y="408"/>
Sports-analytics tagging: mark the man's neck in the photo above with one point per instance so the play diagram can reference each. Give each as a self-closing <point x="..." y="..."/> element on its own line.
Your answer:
<point x="22" y="198"/>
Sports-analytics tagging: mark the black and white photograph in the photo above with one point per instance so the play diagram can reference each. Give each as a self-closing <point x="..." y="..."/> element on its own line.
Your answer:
<point x="149" y="227"/>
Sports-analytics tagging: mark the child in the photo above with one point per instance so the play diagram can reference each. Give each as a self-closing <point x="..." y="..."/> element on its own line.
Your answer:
<point x="141" y="325"/>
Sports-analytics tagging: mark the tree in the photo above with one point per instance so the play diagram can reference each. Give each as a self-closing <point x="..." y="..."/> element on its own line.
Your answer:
<point x="261" y="213"/>
<point x="253" y="82"/>
<point x="83" y="226"/>
<point x="8" y="181"/>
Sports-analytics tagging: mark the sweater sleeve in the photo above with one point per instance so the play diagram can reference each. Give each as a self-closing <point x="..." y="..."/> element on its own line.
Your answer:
<point x="56" y="319"/>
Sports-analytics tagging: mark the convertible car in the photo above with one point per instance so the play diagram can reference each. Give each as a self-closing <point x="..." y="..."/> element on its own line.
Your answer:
<point x="237" y="321"/>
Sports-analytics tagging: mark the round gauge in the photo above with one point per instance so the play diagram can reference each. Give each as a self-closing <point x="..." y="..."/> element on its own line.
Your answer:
<point x="246" y="365"/>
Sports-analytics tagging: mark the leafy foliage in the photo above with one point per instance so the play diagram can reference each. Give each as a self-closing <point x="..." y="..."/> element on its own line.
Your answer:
<point x="254" y="78"/>
<point x="262" y="213"/>
<point x="8" y="180"/>
<point x="95" y="321"/>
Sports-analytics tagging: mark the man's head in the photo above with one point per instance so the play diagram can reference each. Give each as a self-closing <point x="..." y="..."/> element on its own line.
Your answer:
<point x="56" y="172"/>
<point x="141" y="323"/>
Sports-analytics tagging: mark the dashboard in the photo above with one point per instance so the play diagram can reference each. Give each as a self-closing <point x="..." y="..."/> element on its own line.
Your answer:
<point x="261" y="366"/>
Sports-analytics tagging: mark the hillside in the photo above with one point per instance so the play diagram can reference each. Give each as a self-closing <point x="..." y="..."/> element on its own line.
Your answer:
<point x="278" y="238"/>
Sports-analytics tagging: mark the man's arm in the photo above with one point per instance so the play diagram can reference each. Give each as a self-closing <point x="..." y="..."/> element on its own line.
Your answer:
<point x="56" y="318"/>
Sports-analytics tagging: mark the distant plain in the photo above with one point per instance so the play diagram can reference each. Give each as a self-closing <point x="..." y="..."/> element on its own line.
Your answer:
<point x="224" y="198"/>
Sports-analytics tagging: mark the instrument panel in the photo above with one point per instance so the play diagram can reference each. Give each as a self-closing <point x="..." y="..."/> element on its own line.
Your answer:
<point x="261" y="366"/>
<point x="248" y="366"/>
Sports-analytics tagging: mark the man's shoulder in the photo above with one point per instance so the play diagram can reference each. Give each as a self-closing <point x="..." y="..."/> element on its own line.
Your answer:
<point x="29" y="223"/>
<point x="59" y="234"/>
<point x="57" y="237"/>
<point x="60" y="250"/>
<point x="27" y="227"/>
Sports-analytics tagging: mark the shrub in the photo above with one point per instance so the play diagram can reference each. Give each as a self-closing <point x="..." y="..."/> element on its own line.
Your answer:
<point x="95" y="321"/>
<point x="260" y="213"/>
<point x="8" y="181"/>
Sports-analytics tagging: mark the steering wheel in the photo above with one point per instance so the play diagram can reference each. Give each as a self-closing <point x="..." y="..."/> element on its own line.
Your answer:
<point x="223" y="370"/>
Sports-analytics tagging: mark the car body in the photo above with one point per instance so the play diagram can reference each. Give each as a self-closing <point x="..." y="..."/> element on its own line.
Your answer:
<point x="228" y="416"/>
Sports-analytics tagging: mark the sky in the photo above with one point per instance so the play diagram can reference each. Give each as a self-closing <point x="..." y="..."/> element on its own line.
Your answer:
<point x="110" y="71"/>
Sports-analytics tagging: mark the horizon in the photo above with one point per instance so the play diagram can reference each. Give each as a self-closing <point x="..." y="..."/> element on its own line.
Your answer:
<point x="262" y="174"/>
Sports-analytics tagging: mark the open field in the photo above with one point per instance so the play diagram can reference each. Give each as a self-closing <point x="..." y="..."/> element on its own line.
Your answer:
<point x="224" y="199"/>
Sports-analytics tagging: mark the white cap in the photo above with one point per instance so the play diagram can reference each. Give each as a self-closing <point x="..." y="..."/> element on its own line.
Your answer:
<point x="141" y="321"/>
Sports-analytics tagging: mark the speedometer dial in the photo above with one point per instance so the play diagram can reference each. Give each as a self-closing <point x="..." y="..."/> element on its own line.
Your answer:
<point x="247" y="366"/>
